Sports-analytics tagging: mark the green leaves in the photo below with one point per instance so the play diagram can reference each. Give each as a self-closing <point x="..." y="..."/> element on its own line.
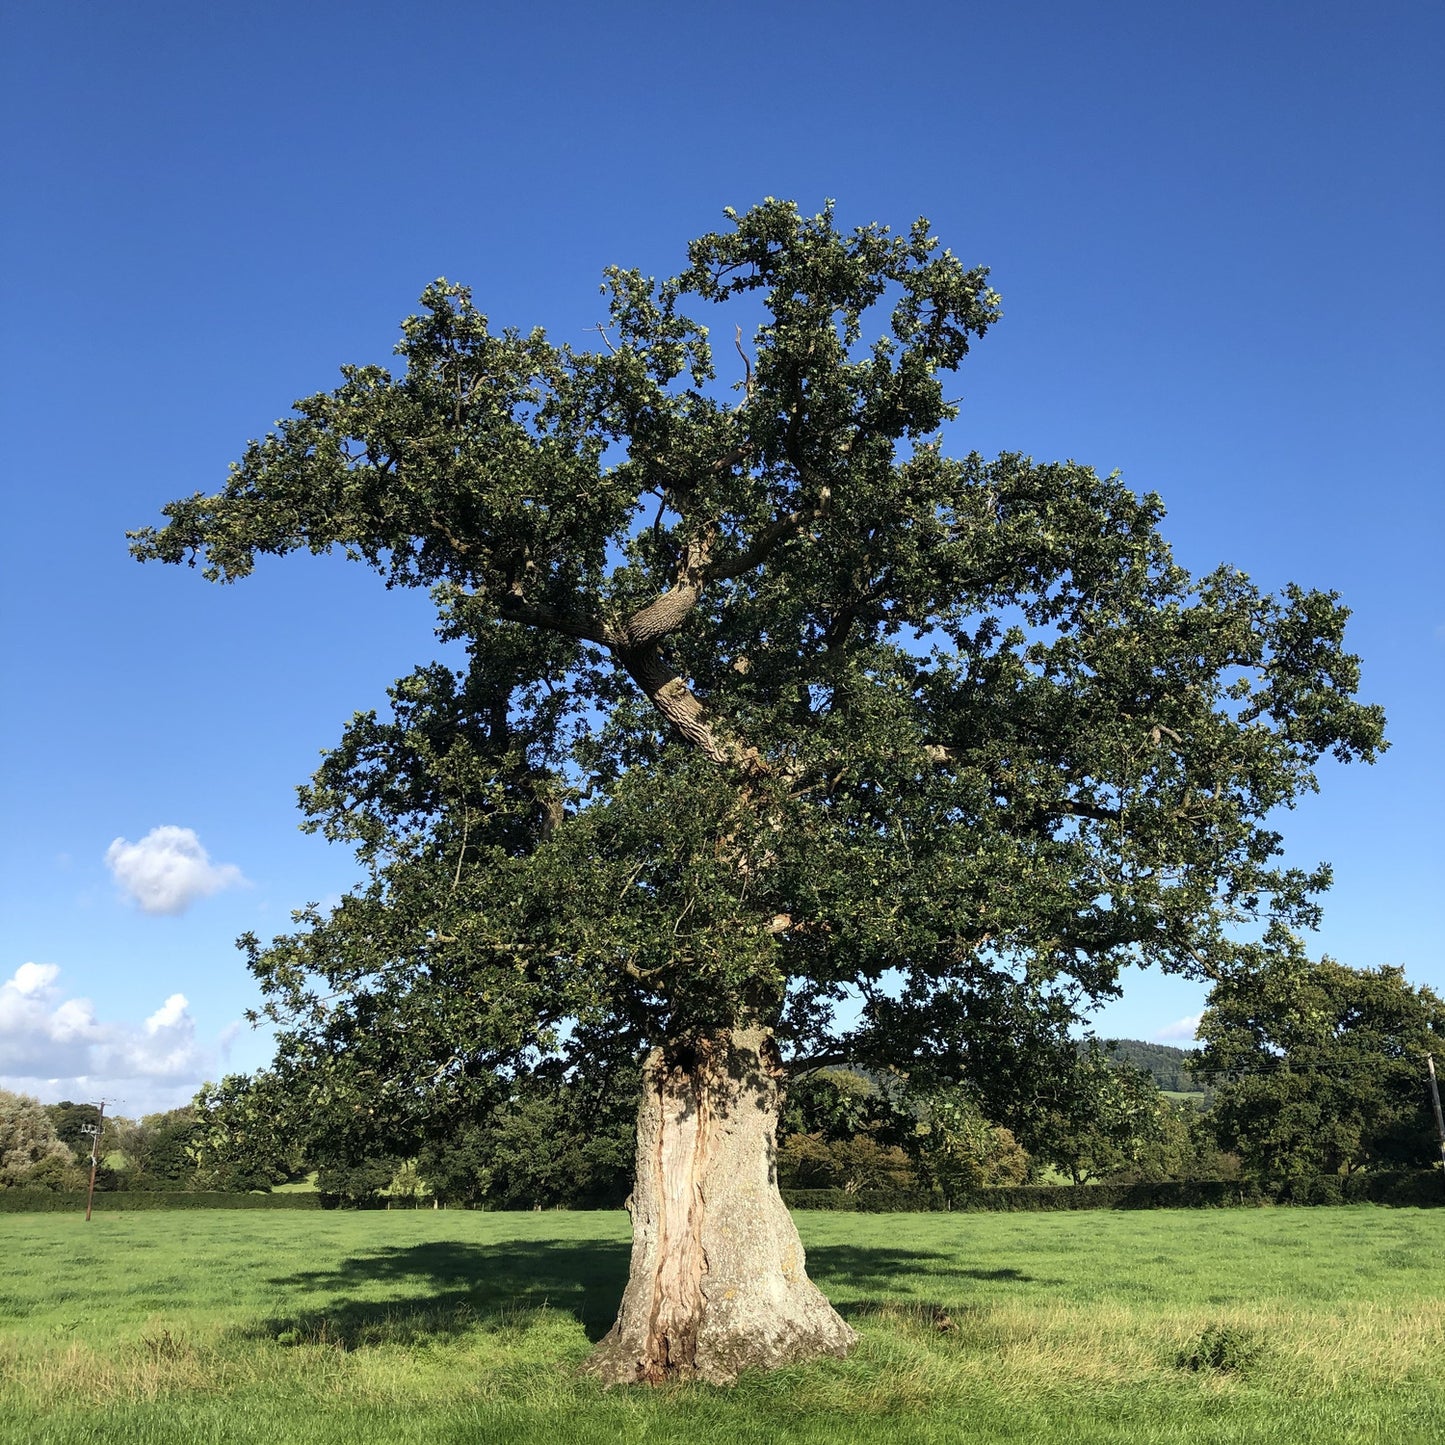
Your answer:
<point x="1319" y="1068"/>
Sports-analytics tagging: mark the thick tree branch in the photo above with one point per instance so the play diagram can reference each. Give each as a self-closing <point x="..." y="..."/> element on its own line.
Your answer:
<point x="677" y="702"/>
<point x="515" y="608"/>
<point x="757" y="552"/>
<point x="698" y="569"/>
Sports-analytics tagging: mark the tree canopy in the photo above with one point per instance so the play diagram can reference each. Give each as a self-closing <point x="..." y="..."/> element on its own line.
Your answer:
<point x="1320" y="1069"/>
<point x="1168" y="1063"/>
<point x="771" y="703"/>
<point x="28" y="1141"/>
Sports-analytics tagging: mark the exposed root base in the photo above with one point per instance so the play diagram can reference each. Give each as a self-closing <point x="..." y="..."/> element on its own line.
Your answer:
<point x="719" y="1361"/>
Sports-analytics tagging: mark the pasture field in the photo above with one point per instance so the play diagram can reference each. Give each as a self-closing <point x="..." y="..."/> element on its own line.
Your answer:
<point x="1163" y="1328"/>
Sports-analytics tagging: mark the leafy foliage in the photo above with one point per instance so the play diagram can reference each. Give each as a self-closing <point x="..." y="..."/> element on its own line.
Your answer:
<point x="772" y="709"/>
<point x="357" y="1181"/>
<point x="246" y="1136"/>
<point x="812" y="1161"/>
<point x="159" y="1149"/>
<point x="961" y="1152"/>
<point x="1319" y="1068"/>
<point x="557" y="1143"/>
<point x="1102" y="1123"/>
<point x="838" y="1104"/>
<point x="32" y="1154"/>
<point x="70" y="1120"/>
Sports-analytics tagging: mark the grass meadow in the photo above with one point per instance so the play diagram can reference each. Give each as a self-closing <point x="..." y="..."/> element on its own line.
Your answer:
<point x="1311" y="1325"/>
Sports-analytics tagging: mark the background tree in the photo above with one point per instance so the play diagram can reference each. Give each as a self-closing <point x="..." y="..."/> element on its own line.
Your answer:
<point x="783" y="737"/>
<point x="70" y="1120"/>
<point x="960" y="1152"/>
<point x="357" y="1181"/>
<point x="32" y="1154"/>
<point x="554" y="1142"/>
<point x="1173" y="1141"/>
<point x="1102" y="1123"/>
<point x="838" y="1104"/>
<point x="839" y="1129"/>
<point x="1168" y="1065"/>
<point x="247" y="1134"/>
<point x="861" y="1161"/>
<point x="406" y="1185"/>
<point x="159" y="1149"/>
<point x="1320" y="1069"/>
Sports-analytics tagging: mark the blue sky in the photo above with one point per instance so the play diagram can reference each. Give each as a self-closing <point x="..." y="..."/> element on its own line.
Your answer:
<point x="1216" y="233"/>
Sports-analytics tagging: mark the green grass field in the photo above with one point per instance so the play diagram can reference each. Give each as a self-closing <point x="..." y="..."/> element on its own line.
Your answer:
<point x="440" y="1327"/>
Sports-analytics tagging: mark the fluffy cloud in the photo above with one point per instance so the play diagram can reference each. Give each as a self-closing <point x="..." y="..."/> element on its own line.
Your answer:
<point x="168" y="870"/>
<point x="1182" y="1030"/>
<point x="55" y="1046"/>
<point x="32" y="978"/>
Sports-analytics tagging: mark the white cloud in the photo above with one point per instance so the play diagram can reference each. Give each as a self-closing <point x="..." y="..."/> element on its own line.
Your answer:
<point x="168" y="870"/>
<point x="1181" y="1030"/>
<point x="168" y="1014"/>
<point x="33" y="977"/>
<point x="55" y="1047"/>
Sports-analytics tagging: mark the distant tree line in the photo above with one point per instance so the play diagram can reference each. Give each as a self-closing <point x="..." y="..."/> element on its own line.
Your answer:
<point x="1167" y="1065"/>
<point x="46" y="1146"/>
<point x="1309" y="1068"/>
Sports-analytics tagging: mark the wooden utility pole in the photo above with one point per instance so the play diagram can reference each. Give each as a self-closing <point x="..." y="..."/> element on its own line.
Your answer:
<point x="100" y="1129"/>
<point x="1435" y="1100"/>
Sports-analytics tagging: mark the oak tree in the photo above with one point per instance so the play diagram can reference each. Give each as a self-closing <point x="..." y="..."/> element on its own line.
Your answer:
<point x="1320" y="1069"/>
<point x="785" y="735"/>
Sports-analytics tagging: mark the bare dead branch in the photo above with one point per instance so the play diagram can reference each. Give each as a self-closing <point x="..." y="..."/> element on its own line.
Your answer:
<point x="747" y="364"/>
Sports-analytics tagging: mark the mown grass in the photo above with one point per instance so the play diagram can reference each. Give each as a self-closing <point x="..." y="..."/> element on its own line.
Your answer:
<point x="1178" y="1326"/>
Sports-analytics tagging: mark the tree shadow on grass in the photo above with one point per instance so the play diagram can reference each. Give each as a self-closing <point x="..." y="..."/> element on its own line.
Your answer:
<point x="853" y="1267"/>
<point x="914" y="1288"/>
<point x="407" y="1294"/>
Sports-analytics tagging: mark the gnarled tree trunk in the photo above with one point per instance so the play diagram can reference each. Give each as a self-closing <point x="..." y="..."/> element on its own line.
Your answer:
<point x="717" y="1282"/>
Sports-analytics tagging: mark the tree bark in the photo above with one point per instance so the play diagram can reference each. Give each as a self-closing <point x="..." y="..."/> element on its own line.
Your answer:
<point x="717" y="1283"/>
